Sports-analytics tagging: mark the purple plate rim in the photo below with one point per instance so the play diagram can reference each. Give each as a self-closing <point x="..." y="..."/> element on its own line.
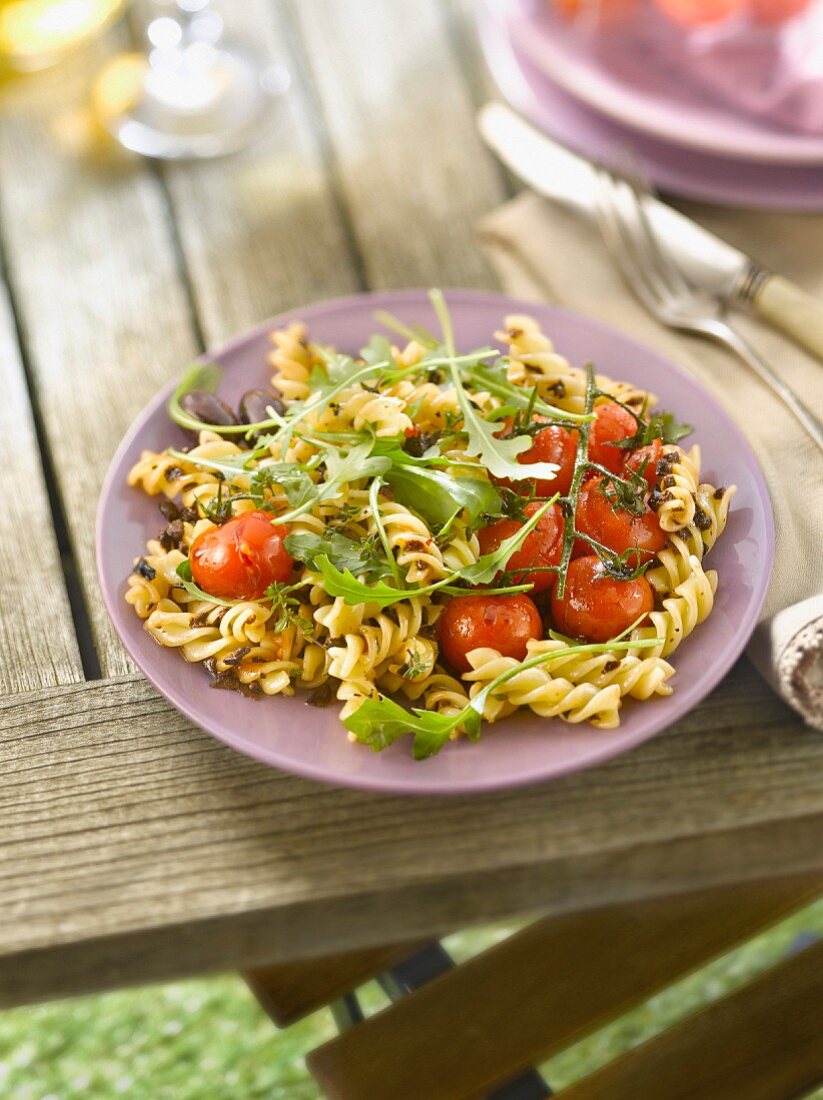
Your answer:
<point x="683" y="700"/>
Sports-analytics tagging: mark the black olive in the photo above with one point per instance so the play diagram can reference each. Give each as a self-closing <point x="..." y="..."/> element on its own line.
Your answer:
<point x="254" y="406"/>
<point x="208" y="408"/>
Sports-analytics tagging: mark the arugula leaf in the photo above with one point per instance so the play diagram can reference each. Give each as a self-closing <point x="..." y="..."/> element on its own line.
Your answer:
<point x="486" y="568"/>
<point x="183" y="571"/>
<point x="499" y="456"/>
<point x="341" y="468"/>
<point x="291" y="477"/>
<point x="380" y="722"/>
<point x="359" y="558"/>
<point x="493" y="378"/>
<point x="377" y="350"/>
<point x="382" y="534"/>
<point x="230" y="466"/>
<point x="669" y="428"/>
<point x="436" y="495"/>
<point x="344" y="583"/>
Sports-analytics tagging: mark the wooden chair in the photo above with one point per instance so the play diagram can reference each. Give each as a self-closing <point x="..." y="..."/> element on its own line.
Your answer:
<point x="476" y="1030"/>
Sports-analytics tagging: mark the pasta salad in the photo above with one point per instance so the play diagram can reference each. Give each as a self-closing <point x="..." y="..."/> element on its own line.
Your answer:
<point x="470" y="533"/>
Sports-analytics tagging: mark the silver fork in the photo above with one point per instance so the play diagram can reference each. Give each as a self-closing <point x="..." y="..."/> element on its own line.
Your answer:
<point x="659" y="284"/>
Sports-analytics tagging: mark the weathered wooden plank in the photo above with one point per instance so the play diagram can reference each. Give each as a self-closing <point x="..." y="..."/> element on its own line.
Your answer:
<point x="261" y="231"/>
<point x="762" y="1042"/>
<point x="136" y="848"/>
<point x="541" y="990"/>
<point x="94" y="275"/>
<point x="291" y="990"/>
<point x="37" y="639"/>
<point x="413" y="171"/>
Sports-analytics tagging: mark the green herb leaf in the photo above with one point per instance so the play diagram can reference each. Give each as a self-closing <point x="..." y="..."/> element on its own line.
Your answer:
<point x="342" y="468"/>
<point x="436" y="495"/>
<point x="359" y="558"/>
<point x="662" y="425"/>
<point x="288" y="607"/>
<point x="288" y="476"/>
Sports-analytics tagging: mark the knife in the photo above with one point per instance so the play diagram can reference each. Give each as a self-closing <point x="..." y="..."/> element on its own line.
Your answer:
<point x="710" y="263"/>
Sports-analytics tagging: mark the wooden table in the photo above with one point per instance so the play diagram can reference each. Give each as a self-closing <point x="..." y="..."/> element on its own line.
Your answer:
<point x="134" y="847"/>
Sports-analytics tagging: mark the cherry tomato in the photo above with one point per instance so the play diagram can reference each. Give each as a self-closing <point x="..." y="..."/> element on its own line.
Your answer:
<point x="646" y="459"/>
<point x="552" y="444"/>
<point x="504" y="623"/>
<point x="542" y="547"/>
<point x="615" y="527"/>
<point x="613" y="423"/>
<point x="596" y="606"/>
<point x="241" y="558"/>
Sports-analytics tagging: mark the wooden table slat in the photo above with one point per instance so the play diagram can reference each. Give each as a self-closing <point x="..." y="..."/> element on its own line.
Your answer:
<point x="95" y="278"/>
<point x="414" y="173"/>
<point x="37" y="638"/>
<point x="262" y="231"/>
<point x="125" y="828"/>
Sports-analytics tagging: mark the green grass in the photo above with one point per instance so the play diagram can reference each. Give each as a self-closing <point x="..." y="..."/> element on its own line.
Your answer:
<point x="208" y="1040"/>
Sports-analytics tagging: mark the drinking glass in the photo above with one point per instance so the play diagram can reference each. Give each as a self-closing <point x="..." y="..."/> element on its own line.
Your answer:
<point x="194" y="92"/>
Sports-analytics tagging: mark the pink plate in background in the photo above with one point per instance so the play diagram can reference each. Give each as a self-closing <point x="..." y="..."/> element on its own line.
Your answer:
<point x="672" y="169"/>
<point x="289" y="735"/>
<point x="647" y="97"/>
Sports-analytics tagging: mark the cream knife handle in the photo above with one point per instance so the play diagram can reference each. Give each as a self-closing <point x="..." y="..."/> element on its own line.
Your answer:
<point x="797" y="314"/>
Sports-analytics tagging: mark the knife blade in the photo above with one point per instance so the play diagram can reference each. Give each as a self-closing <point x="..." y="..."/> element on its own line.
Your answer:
<point x="709" y="262"/>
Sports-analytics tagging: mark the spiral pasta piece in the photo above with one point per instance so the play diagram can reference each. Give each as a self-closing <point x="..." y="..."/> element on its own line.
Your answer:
<point x="673" y="499"/>
<point x="292" y="358"/>
<point x="412" y="544"/>
<point x="533" y="361"/>
<point x="540" y="691"/>
<point x="690" y="604"/>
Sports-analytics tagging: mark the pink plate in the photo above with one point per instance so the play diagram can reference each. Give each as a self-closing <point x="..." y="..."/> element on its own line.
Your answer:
<point x="615" y="82"/>
<point x="672" y="169"/>
<point x="525" y="749"/>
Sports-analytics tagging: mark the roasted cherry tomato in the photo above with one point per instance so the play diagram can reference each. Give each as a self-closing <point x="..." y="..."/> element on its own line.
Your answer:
<point x="597" y="517"/>
<point x="596" y="606"/>
<point x="551" y="444"/>
<point x="613" y="423"/>
<point x="241" y="558"/>
<point x="646" y="459"/>
<point x="542" y="546"/>
<point x="504" y="623"/>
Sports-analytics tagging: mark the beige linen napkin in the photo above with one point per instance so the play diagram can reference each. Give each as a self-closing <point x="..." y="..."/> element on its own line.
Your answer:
<point x="543" y="252"/>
